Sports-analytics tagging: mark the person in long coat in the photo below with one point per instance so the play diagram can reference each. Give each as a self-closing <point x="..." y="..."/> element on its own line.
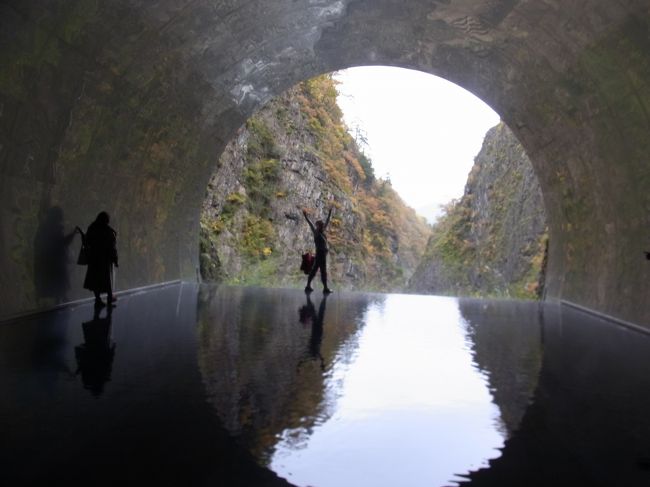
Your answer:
<point x="101" y="247"/>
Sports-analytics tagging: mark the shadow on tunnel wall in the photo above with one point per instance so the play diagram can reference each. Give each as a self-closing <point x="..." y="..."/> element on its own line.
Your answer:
<point x="52" y="257"/>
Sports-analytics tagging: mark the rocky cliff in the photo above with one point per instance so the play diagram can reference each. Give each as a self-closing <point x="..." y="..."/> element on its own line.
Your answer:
<point x="296" y="153"/>
<point x="493" y="240"/>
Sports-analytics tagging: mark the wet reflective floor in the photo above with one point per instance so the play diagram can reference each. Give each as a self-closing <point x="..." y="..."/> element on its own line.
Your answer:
<point x="189" y="385"/>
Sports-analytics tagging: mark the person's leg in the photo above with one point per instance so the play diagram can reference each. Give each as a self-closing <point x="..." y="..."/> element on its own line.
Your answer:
<point x="111" y="298"/>
<point x="323" y="272"/>
<point x="312" y="273"/>
<point x="109" y="295"/>
<point x="98" y="299"/>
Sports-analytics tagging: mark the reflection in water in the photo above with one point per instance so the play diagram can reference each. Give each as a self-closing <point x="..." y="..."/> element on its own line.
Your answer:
<point x="505" y="339"/>
<point x="95" y="355"/>
<point x="387" y="392"/>
<point x="307" y="314"/>
<point x="46" y="352"/>
<point x="253" y="356"/>
<point x="151" y="426"/>
<point x="588" y="422"/>
<point x="406" y="406"/>
<point x="412" y="390"/>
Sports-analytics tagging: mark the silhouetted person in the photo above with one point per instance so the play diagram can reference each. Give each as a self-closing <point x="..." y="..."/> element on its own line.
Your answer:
<point x="647" y="255"/>
<point x="95" y="355"/>
<point x="101" y="248"/>
<point x="307" y="313"/>
<point x="51" y="244"/>
<point x="320" y="260"/>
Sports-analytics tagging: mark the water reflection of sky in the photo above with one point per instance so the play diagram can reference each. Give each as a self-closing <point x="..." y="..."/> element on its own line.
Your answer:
<point x="409" y="408"/>
<point x="207" y="388"/>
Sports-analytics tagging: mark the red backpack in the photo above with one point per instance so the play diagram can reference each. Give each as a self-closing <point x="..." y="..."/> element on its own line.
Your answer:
<point x="307" y="262"/>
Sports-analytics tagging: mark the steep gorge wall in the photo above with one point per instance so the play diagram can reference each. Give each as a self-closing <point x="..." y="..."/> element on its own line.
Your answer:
<point x="295" y="153"/>
<point x="493" y="240"/>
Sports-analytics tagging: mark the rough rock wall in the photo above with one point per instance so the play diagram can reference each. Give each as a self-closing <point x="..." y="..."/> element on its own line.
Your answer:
<point x="493" y="240"/>
<point x="295" y="153"/>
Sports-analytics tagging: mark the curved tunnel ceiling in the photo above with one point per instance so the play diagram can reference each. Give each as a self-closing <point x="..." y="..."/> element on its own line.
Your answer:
<point x="126" y="105"/>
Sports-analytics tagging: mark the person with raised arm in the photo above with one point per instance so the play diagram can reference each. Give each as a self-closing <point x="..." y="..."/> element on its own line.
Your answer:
<point x="320" y="260"/>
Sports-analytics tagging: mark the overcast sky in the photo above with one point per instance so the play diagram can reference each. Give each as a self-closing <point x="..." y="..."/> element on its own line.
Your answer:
<point x="422" y="130"/>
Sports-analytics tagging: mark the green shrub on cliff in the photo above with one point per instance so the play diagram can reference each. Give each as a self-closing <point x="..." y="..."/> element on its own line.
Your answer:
<point x="261" y="142"/>
<point x="257" y="237"/>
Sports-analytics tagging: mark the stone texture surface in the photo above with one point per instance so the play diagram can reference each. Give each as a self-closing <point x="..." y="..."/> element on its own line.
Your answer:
<point x="126" y="105"/>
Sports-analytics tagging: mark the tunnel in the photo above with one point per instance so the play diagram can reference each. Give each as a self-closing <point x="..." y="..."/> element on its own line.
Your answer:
<point x="125" y="106"/>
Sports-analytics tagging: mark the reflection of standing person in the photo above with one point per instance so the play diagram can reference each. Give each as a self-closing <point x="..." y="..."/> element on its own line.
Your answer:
<point x="101" y="246"/>
<point x="51" y="244"/>
<point x="320" y="261"/>
<point x="308" y="313"/>
<point x="95" y="355"/>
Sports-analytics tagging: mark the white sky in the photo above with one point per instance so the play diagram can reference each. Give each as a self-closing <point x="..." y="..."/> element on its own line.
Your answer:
<point x="422" y="130"/>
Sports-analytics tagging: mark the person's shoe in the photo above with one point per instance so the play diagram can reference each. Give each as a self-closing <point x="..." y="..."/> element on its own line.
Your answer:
<point x="99" y="303"/>
<point x="308" y="289"/>
<point x="327" y="291"/>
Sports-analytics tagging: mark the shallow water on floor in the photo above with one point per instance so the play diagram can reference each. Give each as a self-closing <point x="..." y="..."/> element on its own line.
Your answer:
<point x="197" y="385"/>
<point x="365" y="389"/>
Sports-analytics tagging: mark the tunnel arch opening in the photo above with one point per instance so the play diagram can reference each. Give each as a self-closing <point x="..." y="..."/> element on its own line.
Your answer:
<point x="299" y="151"/>
<point x="133" y="127"/>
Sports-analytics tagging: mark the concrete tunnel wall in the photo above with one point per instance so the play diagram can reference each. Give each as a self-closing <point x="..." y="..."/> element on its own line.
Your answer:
<point x="125" y="105"/>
